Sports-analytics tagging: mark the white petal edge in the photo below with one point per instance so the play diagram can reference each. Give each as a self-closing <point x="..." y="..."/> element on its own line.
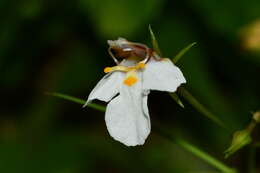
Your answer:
<point x="106" y="88"/>
<point x="127" y="116"/>
<point x="162" y="75"/>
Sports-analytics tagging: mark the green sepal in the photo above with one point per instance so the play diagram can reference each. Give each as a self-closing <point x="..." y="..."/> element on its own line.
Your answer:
<point x="77" y="100"/>
<point x="154" y="42"/>
<point x="182" y="52"/>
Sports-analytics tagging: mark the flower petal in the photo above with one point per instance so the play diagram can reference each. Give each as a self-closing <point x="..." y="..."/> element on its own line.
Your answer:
<point x="106" y="88"/>
<point x="146" y="111"/>
<point x="127" y="116"/>
<point x="162" y="75"/>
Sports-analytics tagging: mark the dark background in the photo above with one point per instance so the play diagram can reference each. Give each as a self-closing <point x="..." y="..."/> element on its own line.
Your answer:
<point x="60" y="46"/>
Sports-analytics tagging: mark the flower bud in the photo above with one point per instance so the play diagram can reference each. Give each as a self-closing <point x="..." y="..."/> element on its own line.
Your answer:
<point x="256" y="116"/>
<point x="240" y="139"/>
<point x="250" y="36"/>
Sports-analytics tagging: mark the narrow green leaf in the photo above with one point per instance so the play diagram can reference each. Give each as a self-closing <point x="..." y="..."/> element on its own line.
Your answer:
<point x="182" y="52"/>
<point x="77" y="100"/>
<point x="154" y="42"/>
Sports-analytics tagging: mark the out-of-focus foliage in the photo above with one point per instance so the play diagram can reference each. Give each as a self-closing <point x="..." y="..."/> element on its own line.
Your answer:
<point x="250" y="36"/>
<point x="61" y="46"/>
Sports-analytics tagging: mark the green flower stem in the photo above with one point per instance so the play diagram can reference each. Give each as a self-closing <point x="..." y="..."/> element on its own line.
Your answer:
<point x="199" y="107"/>
<point x="180" y="142"/>
<point x="196" y="151"/>
<point x="204" y="156"/>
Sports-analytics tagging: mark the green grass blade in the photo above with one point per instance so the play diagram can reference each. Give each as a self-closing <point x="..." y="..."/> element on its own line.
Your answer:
<point x="204" y="156"/>
<point x="196" y="151"/>
<point x="182" y="52"/>
<point x="77" y="100"/>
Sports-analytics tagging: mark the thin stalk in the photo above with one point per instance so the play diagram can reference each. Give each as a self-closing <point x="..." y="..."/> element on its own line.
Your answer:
<point x="197" y="152"/>
<point x="199" y="107"/>
<point x="180" y="142"/>
<point x="204" y="156"/>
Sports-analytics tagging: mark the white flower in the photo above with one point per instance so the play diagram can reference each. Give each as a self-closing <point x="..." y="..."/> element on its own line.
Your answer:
<point x="126" y="88"/>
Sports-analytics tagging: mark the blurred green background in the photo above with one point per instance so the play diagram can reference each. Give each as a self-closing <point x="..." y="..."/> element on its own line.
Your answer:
<point x="60" y="46"/>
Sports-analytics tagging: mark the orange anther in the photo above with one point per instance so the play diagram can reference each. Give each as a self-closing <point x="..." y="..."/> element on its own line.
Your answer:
<point x="131" y="80"/>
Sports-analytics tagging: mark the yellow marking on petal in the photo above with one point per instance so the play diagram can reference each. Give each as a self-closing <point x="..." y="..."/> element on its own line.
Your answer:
<point x="130" y="80"/>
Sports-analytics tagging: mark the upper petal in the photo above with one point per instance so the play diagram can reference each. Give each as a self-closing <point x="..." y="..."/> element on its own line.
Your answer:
<point x="106" y="88"/>
<point x="162" y="75"/>
<point x="127" y="116"/>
